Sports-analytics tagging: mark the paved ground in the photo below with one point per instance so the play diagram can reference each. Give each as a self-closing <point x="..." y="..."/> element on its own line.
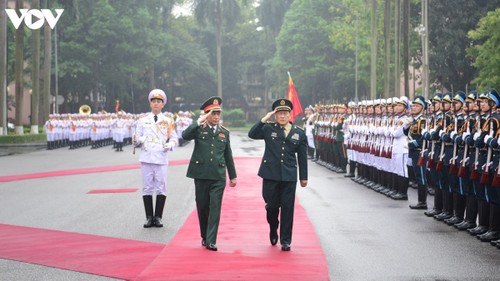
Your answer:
<point x="365" y="236"/>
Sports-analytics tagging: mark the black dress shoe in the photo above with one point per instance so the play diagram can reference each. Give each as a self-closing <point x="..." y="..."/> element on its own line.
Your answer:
<point x="212" y="247"/>
<point x="443" y="216"/>
<point x="489" y="236"/>
<point x="285" y="247"/>
<point x="465" y="225"/>
<point x="494" y="242"/>
<point x="399" y="196"/>
<point x="478" y="230"/>
<point x="419" y="206"/>
<point x="432" y="212"/>
<point x="273" y="237"/>
<point x="157" y="222"/>
<point x="349" y="176"/>
<point x="203" y="242"/>
<point x="453" y="220"/>
<point x="149" y="223"/>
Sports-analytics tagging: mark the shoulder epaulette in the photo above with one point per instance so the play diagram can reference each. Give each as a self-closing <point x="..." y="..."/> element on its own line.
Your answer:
<point x="222" y="127"/>
<point x="302" y="129"/>
<point x="270" y="122"/>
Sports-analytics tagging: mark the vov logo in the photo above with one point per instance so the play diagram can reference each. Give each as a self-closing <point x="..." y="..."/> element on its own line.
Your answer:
<point x="39" y="17"/>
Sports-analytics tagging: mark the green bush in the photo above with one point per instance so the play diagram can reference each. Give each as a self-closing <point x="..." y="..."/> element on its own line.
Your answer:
<point x="27" y="138"/>
<point x="234" y="118"/>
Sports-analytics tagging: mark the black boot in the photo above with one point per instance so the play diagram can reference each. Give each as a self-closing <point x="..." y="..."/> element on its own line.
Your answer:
<point x="422" y="198"/>
<point x="160" y="203"/>
<point x="148" y="207"/>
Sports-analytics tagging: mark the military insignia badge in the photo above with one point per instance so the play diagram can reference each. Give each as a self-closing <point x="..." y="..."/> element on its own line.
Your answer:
<point x="274" y="135"/>
<point x="295" y="136"/>
<point x="222" y="136"/>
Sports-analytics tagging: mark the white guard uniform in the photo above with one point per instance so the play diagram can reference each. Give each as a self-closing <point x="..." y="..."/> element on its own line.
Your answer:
<point x="155" y="140"/>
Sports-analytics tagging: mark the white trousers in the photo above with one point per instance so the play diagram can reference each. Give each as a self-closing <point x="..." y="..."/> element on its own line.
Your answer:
<point x="154" y="179"/>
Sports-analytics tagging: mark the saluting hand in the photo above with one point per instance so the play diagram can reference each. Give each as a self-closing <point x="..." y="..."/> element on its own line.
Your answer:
<point x="203" y="117"/>
<point x="268" y="116"/>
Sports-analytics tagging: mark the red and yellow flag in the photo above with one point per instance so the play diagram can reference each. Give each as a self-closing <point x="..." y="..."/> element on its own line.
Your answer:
<point x="294" y="98"/>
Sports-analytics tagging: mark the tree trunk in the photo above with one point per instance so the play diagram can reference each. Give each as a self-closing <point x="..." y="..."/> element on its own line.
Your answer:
<point x="35" y="78"/>
<point x="3" y="69"/>
<point x="387" y="48"/>
<point x="19" y="73"/>
<point x="218" y="39"/>
<point x="406" y="47"/>
<point x="47" y="63"/>
<point x="373" y="67"/>
<point x="397" y="24"/>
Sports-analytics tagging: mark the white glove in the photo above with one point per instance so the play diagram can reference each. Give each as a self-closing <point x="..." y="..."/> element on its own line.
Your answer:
<point x="465" y="135"/>
<point x="453" y="134"/>
<point x="441" y="133"/>
<point x="486" y="138"/>
<point x="476" y="135"/>
<point x="424" y="131"/>
<point x="141" y="139"/>
<point x="168" y="146"/>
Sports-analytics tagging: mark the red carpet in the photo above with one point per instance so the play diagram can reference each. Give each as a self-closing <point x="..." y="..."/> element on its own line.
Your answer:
<point x="118" y="258"/>
<point x="243" y="241"/>
<point x="244" y="249"/>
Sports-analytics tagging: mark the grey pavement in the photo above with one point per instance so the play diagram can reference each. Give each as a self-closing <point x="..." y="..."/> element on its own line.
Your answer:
<point x="365" y="236"/>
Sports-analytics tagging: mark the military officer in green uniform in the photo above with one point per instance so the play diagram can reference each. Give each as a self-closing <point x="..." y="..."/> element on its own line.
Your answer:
<point x="286" y="145"/>
<point x="212" y="155"/>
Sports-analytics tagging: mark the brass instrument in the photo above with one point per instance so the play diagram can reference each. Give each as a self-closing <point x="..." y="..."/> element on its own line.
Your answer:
<point x="85" y="109"/>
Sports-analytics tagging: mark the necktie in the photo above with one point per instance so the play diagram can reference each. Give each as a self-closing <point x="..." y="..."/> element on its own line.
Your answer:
<point x="213" y="129"/>
<point x="156" y="118"/>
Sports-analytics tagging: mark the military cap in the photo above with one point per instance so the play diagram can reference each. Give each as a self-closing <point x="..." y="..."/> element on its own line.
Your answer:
<point x="213" y="104"/>
<point x="459" y="96"/>
<point x="157" y="94"/>
<point x="282" y="105"/>
<point x="420" y="100"/>
<point x="447" y="98"/>
<point x="494" y="96"/>
<point x="404" y="101"/>
<point x="472" y="95"/>
<point x="437" y="97"/>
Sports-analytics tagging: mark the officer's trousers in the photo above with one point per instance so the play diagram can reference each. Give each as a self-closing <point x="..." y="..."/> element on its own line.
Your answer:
<point x="280" y="194"/>
<point x="208" y="204"/>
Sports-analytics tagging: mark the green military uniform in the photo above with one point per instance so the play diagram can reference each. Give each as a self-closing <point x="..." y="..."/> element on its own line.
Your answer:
<point x="212" y="155"/>
<point x="285" y="148"/>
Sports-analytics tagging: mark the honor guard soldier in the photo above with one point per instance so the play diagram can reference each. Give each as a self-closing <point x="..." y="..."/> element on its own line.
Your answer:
<point x="285" y="147"/>
<point x="432" y="136"/>
<point x="466" y="164"/>
<point x="212" y="156"/>
<point x="491" y="206"/>
<point x="415" y="148"/>
<point x="452" y="138"/>
<point x="443" y="161"/>
<point x="155" y="135"/>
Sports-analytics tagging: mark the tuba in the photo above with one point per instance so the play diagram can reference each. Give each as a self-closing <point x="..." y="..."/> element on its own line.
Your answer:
<point x="85" y="109"/>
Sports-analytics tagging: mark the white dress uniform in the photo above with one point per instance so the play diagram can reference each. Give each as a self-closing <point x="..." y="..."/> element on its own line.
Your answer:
<point x="156" y="139"/>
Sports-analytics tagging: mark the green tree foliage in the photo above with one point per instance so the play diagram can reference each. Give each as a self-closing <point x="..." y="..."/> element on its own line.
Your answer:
<point x="486" y="50"/>
<point x="449" y="21"/>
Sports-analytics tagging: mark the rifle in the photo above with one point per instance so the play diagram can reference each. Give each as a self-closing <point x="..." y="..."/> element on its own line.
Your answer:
<point x="462" y="171"/>
<point x="474" y="175"/>
<point x="453" y="161"/>
<point x="421" y="159"/>
<point x="440" y="165"/>
<point x="486" y="177"/>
